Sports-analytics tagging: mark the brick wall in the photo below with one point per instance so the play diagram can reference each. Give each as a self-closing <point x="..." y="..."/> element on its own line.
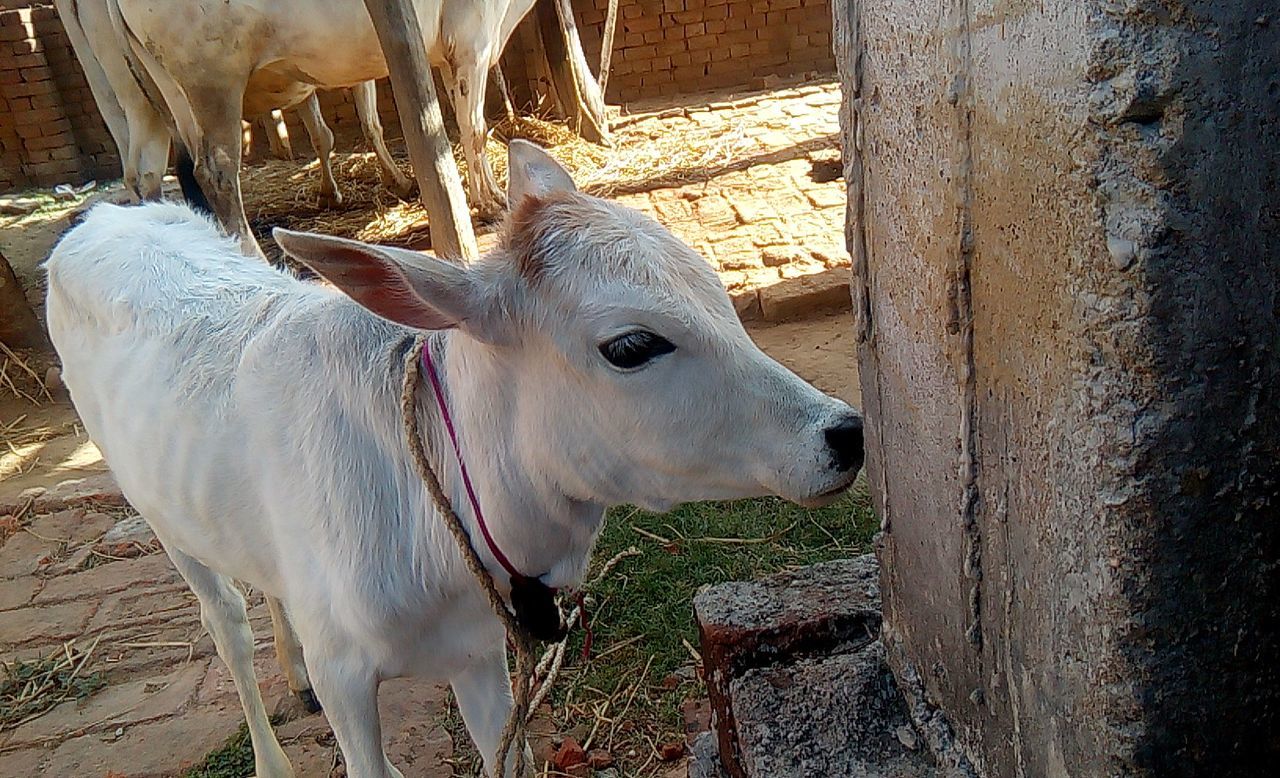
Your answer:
<point x="50" y="129"/>
<point x="665" y="48"/>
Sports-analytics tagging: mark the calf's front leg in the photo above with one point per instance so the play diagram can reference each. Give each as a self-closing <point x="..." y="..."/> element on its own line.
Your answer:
<point x="348" y="689"/>
<point x="484" y="698"/>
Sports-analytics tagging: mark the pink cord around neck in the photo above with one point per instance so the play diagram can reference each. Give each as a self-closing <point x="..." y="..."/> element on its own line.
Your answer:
<point x="462" y="466"/>
<point x="515" y="574"/>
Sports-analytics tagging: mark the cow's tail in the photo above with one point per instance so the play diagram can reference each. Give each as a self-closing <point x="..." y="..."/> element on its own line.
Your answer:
<point x="185" y="167"/>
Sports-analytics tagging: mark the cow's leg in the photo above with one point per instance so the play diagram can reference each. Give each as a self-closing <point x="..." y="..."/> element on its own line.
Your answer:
<point x="149" y="136"/>
<point x="348" y="688"/>
<point x="216" y="153"/>
<point x="289" y="654"/>
<point x="223" y="613"/>
<point x="272" y="125"/>
<point x="484" y="699"/>
<point x="467" y="82"/>
<point x="322" y="142"/>
<point x="366" y="95"/>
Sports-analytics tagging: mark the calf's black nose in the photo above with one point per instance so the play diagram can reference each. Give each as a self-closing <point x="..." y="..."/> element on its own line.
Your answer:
<point x="845" y="440"/>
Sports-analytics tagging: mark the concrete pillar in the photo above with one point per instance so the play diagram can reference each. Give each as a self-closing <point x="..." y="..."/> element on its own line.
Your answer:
<point x="1065" y="228"/>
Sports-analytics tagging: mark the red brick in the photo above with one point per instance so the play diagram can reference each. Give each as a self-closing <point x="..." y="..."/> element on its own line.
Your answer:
<point x="29" y="131"/>
<point x="10" y="77"/>
<point x="50" y="142"/>
<point x="653" y="36"/>
<point x="668" y="48"/>
<point x="25" y="60"/>
<point x="705" y="42"/>
<point x="45" y="101"/>
<point x="56" y="126"/>
<point x="737" y="36"/>
<point x="642" y="24"/>
<point x="640" y="52"/>
<point x="39" y="116"/>
<point x="63" y="152"/>
<point x="671" y="6"/>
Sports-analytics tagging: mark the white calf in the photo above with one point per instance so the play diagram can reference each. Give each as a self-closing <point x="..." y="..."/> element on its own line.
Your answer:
<point x="254" y="419"/>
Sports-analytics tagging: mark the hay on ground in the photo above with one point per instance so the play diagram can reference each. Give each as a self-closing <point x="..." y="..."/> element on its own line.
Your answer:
<point x="645" y="155"/>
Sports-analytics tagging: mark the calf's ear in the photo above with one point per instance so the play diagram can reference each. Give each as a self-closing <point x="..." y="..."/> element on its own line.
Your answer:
<point x="532" y="172"/>
<point x="407" y="287"/>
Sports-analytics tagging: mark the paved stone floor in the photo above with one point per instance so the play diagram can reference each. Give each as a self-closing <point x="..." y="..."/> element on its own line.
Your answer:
<point x="770" y="213"/>
<point x="168" y="700"/>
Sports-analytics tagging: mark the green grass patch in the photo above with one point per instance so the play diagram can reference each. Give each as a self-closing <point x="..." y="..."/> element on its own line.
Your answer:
<point x="233" y="760"/>
<point x="29" y="689"/>
<point x="627" y="695"/>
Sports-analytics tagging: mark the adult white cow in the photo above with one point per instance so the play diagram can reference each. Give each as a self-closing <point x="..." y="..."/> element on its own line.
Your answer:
<point x="255" y="421"/>
<point x="136" y="116"/>
<point x="206" y="55"/>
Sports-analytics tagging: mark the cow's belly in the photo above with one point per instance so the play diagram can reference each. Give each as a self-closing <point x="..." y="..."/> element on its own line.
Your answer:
<point x="332" y="43"/>
<point x="267" y="91"/>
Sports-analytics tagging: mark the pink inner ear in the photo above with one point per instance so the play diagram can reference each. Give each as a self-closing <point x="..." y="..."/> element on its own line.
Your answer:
<point x="377" y="285"/>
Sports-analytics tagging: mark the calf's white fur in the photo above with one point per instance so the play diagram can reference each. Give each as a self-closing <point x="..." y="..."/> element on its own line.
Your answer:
<point x="254" y="420"/>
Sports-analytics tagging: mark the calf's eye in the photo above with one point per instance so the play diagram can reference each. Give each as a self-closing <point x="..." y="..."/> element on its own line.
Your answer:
<point x="635" y="349"/>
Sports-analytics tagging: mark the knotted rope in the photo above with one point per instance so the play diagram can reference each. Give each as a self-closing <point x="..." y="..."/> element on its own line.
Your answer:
<point x="514" y="731"/>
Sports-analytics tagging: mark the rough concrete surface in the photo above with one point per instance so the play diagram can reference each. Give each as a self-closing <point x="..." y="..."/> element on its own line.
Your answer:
<point x="1066" y="255"/>
<point x="837" y="715"/>
<point x="796" y="680"/>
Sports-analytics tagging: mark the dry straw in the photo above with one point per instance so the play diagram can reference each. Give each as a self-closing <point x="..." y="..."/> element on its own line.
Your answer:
<point x="647" y="154"/>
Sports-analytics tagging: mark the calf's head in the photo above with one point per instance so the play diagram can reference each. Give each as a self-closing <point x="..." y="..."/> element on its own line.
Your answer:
<point x="606" y="354"/>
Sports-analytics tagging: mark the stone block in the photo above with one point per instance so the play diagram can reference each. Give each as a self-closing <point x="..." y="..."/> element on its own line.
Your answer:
<point x="803" y="295"/>
<point x="826" y="716"/>
<point x="749" y="625"/>
<point x="98" y="490"/>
